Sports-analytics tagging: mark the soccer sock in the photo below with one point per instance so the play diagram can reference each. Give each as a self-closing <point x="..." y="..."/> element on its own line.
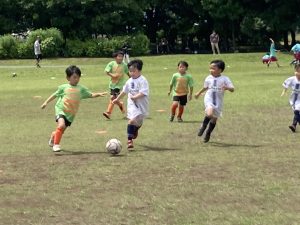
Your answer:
<point x="296" y="117"/>
<point x="173" y="108"/>
<point x="58" y="134"/>
<point x="205" y="122"/>
<point x="110" y="107"/>
<point x="180" y="111"/>
<point x="211" y="127"/>
<point x="130" y="131"/>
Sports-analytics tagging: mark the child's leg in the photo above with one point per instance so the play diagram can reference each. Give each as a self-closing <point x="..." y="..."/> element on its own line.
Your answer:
<point x="110" y="108"/>
<point x="121" y="106"/>
<point x="296" y="120"/>
<point x="211" y="127"/>
<point x="203" y="125"/>
<point x="61" y="127"/>
<point x="180" y="112"/>
<point x="173" y="110"/>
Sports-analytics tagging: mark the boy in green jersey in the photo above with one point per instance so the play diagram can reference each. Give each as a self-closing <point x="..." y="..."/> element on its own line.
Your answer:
<point x="69" y="97"/>
<point x="118" y="71"/>
<point x="181" y="85"/>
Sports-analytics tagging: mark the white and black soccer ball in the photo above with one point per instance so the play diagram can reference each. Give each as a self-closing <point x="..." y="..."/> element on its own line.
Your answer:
<point x="114" y="146"/>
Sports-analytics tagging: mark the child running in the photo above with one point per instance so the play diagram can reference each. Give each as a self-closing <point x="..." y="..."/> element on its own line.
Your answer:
<point x="182" y="85"/>
<point x="118" y="72"/>
<point x="137" y="89"/>
<point x="69" y="96"/>
<point x="273" y="51"/>
<point x="294" y="83"/>
<point x="215" y="84"/>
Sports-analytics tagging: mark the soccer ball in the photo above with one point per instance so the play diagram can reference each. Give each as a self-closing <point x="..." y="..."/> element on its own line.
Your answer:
<point x="114" y="146"/>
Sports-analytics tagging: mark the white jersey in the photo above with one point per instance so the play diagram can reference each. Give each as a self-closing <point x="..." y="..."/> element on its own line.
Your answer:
<point x="138" y="107"/>
<point x="294" y="84"/>
<point x="37" y="47"/>
<point x="215" y="93"/>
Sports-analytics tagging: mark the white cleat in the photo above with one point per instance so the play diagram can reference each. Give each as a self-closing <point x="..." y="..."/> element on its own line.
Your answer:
<point x="56" y="148"/>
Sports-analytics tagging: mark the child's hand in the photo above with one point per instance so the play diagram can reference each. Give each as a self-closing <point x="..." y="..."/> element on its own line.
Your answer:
<point x="190" y="97"/>
<point x="197" y="96"/>
<point x="114" y="101"/>
<point x="169" y="93"/>
<point x="43" y="105"/>
<point x="102" y="94"/>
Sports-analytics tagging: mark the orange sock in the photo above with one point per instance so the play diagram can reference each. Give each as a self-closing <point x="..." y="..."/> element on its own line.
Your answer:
<point x="110" y="107"/>
<point x="58" y="134"/>
<point x="173" y="109"/>
<point x="180" y="111"/>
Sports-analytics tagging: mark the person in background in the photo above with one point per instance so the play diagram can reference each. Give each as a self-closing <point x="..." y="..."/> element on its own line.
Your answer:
<point x="214" y="41"/>
<point x="37" y="51"/>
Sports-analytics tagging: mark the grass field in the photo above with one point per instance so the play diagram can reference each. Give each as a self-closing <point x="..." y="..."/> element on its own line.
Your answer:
<point x="248" y="174"/>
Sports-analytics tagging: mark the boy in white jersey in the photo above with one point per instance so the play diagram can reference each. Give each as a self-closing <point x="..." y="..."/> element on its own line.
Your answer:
<point x="137" y="89"/>
<point x="294" y="83"/>
<point x="215" y="84"/>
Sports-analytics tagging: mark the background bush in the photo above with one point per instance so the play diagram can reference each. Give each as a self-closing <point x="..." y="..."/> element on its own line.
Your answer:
<point x="8" y="47"/>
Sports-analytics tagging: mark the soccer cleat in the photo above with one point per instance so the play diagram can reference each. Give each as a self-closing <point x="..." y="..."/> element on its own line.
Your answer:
<point x="51" y="141"/>
<point x="293" y="128"/>
<point x="179" y="119"/>
<point x="106" y="114"/>
<point x="56" y="148"/>
<point x="201" y="131"/>
<point x="206" y="138"/>
<point x="171" y="118"/>
<point x="130" y="144"/>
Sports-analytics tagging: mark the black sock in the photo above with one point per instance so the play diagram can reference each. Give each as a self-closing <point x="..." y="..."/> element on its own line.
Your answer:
<point x="205" y="122"/>
<point x="211" y="127"/>
<point x="130" y="131"/>
<point x="296" y="117"/>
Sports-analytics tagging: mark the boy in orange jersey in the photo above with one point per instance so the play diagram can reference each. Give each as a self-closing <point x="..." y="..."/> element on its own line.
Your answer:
<point x="182" y="85"/>
<point x="118" y="71"/>
<point x="69" y="96"/>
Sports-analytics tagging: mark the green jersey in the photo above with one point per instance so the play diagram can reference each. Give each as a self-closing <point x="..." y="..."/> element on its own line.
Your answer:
<point x="69" y="98"/>
<point x="121" y="70"/>
<point x="181" y="84"/>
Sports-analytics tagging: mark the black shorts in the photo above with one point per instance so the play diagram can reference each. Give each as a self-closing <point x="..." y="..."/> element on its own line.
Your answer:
<point x="39" y="56"/>
<point x="115" y="92"/>
<point x="181" y="99"/>
<point x="67" y="122"/>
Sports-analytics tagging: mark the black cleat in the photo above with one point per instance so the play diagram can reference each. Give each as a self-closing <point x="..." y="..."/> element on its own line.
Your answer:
<point x="172" y="118"/>
<point x="201" y="131"/>
<point x="206" y="138"/>
<point x="293" y="128"/>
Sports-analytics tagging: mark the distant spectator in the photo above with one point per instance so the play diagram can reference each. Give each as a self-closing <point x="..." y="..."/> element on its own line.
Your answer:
<point x="164" y="46"/>
<point x="125" y="49"/>
<point x="37" y="51"/>
<point x="214" y="41"/>
<point x="273" y="51"/>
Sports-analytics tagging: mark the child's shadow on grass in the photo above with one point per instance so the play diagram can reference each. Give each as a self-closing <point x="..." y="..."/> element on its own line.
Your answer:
<point x="228" y="145"/>
<point x="67" y="152"/>
<point x="155" y="148"/>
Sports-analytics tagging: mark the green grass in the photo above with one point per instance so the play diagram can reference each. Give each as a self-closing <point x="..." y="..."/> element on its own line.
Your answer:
<point x="248" y="173"/>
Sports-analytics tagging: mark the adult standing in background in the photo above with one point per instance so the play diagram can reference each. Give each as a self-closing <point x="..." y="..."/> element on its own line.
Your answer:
<point x="37" y="51"/>
<point x="214" y="41"/>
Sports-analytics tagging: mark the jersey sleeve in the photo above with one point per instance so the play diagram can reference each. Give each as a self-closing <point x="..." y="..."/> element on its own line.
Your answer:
<point x="108" y="67"/>
<point x="85" y="93"/>
<point x="126" y="86"/>
<point x="287" y="83"/>
<point x="206" y="82"/>
<point x="60" y="91"/>
<point x="191" y="81"/>
<point x="144" y="87"/>
<point x="228" y="83"/>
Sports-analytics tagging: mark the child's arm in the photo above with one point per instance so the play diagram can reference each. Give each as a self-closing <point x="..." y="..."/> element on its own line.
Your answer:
<point x="51" y="98"/>
<point x="112" y="75"/>
<point x="98" y="94"/>
<point x="121" y="95"/>
<point x="200" y="92"/>
<point x="170" y="89"/>
<point x="231" y="89"/>
<point x="191" y="93"/>
<point x="138" y="95"/>
<point x="283" y="92"/>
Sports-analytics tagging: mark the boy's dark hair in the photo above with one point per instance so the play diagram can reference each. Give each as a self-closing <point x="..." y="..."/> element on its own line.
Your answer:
<point x="115" y="54"/>
<point x="73" y="69"/>
<point x="183" y="63"/>
<point x="297" y="66"/>
<point x="219" y="63"/>
<point x="137" y="63"/>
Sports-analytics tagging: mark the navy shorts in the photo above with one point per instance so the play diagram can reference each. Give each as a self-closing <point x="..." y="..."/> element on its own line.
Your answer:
<point x="67" y="122"/>
<point x="39" y="56"/>
<point x="181" y="99"/>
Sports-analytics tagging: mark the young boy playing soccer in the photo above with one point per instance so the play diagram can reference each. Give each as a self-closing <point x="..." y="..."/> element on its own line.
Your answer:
<point x="69" y="96"/>
<point x="137" y="89"/>
<point x="118" y="72"/>
<point x="294" y="83"/>
<point x="215" y="84"/>
<point x="182" y="85"/>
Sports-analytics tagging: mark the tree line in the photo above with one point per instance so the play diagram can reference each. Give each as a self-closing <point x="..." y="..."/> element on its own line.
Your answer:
<point x="185" y="24"/>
